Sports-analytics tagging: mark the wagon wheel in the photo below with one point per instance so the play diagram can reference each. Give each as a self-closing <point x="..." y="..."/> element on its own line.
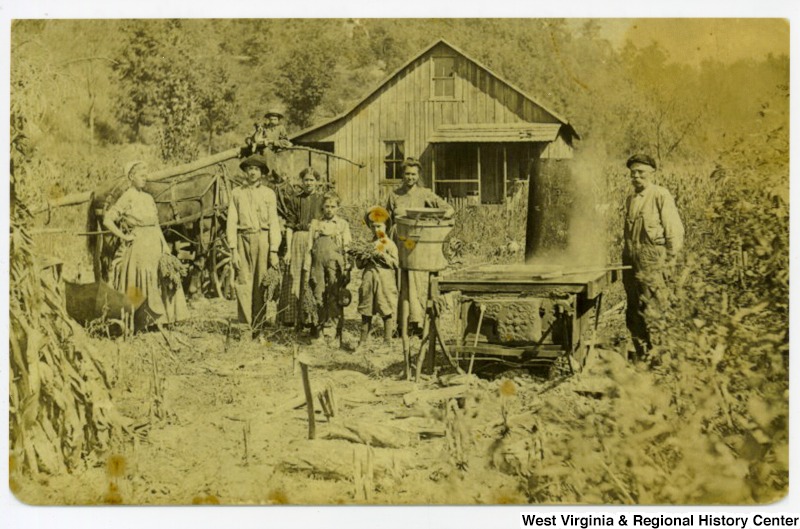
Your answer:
<point x="104" y="249"/>
<point x="219" y="261"/>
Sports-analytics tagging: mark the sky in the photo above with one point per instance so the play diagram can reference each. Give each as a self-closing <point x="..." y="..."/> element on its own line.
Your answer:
<point x="693" y="40"/>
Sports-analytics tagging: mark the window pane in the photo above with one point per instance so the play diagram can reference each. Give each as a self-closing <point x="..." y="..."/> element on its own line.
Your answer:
<point x="443" y="66"/>
<point x="393" y="158"/>
<point x="449" y="87"/>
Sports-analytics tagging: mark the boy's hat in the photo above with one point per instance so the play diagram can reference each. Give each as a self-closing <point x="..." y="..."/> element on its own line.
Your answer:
<point x="273" y="112"/>
<point x="255" y="161"/>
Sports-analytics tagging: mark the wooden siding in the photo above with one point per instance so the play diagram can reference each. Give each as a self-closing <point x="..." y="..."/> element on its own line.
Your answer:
<point x="557" y="150"/>
<point x="404" y="109"/>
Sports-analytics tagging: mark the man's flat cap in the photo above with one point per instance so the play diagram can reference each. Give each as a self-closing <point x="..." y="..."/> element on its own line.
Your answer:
<point x="642" y="159"/>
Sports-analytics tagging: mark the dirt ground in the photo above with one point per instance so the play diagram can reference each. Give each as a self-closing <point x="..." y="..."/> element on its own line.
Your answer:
<point x="222" y="420"/>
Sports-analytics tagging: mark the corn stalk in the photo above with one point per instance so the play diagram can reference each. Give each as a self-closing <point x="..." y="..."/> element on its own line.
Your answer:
<point x="60" y="408"/>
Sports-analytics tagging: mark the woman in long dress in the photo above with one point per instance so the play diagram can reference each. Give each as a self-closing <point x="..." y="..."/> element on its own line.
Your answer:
<point x="301" y="209"/>
<point x="134" y="220"/>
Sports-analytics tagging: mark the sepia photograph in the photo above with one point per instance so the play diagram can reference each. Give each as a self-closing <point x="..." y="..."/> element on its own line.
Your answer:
<point x="399" y="261"/>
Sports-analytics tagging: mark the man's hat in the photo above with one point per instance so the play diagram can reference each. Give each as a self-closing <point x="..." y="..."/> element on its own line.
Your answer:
<point x="273" y="112"/>
<point x="255" y="161"/>
<point x="643" y="159"/>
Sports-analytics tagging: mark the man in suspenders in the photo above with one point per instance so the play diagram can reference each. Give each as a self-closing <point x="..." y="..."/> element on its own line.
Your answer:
<point x="653" y="237"/>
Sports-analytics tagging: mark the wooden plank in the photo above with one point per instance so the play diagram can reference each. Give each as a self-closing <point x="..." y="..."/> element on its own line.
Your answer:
<point x="503" y="110"/>
<point x="456" y="181"/>
<point x="427" y="106"/>
<point x="528" y="287"/>
<point x="357" y="142"/>
<point x="433" y="168"/>
<point x="499" y="96"/>
<point x="423" y="81"/>
<point x="480" y="184"/>
<point x="513" y="103"/>
<point x="549" y="129"/>
<point x="347" y="180"/>
<point x="448" y="116"/>
<point x="420" y="128"/>
<point x="411" y="119"/>
<point x="355" y="148"/>
<point x="345" y="146"/>
<point x="472" y="99"/>
<point x="482" y="97"/>
<point x="363" y="178"/>
<point x="395" y="128"/>
<point x="505" y="173"/>
<point x="370" y="175"/>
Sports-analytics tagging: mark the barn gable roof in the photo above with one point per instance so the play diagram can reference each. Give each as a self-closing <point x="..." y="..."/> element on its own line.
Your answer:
<point x="297" y="136"/>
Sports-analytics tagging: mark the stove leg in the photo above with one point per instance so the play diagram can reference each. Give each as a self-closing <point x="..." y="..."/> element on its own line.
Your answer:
<point x="404" y="307"/>
<point x="426" y="336"/>
<point x="433" y="296"/>
<point x="597" y="307"/>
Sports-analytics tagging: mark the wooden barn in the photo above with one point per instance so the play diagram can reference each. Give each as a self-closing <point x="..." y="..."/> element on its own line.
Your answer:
<point x="475" y="133"/>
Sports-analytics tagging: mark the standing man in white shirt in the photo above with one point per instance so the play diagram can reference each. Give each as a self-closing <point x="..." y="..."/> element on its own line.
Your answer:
<point x="254" y="236"/>
<point x="653" y="238"/>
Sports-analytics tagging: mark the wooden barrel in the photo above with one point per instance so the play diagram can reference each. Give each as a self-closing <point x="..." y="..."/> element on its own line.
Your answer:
<point x="419" y="243"/>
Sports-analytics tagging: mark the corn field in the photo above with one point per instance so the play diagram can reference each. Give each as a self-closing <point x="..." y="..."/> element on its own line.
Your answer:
<point x="60" y="414"/>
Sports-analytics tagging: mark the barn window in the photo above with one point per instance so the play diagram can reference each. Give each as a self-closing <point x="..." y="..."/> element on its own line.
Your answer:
<point x="444" y="77"/>
<point x="393" y="159"/>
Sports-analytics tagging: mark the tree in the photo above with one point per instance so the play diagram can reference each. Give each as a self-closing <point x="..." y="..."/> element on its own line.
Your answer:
<point x="139" y="68"/>
<point x="218" y="104"/>
<point x="159" y="76"/>
<point x="305" y="77"/>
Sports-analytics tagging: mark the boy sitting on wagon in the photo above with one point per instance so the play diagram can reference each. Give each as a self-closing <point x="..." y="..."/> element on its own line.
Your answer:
<point x="269" y="137"/>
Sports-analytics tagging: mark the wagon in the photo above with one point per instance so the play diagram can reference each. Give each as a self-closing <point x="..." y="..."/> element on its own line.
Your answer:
<point x="192" y="210"/>
<point x="192" y="201"/>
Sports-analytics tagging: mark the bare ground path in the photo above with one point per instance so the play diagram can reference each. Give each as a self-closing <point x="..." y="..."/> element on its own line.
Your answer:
<point x="222" y="420"/>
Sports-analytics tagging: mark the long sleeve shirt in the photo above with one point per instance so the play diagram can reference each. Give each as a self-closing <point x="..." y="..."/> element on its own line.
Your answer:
<point x="252" y="209"/>
<point x="651" y="217"/>
<point x="301" y="209"/>
<point x="275" y="137"/>
<point x="137" y="208"/>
